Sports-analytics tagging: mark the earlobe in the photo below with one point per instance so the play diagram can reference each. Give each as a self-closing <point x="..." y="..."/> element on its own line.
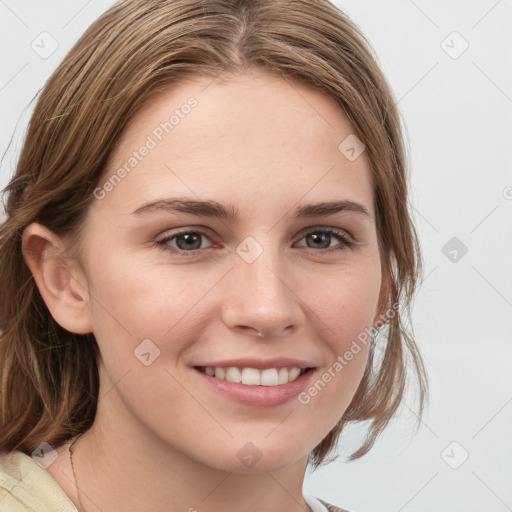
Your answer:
<point x="57" y="280"/>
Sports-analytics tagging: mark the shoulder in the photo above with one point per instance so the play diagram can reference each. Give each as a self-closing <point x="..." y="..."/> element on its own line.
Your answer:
<point x="332" y="508"/>
<point x="25" y="485"/>
<point x="318" y="505"/>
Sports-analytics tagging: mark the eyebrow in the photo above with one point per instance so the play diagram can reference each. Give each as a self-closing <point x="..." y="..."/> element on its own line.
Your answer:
<point x="231" y="213"/>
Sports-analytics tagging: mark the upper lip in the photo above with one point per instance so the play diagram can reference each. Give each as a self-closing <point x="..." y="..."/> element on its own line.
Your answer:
<point x="261" y="364"/>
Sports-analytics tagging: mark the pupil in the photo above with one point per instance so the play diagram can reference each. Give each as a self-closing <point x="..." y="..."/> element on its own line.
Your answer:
<point x="323" y="238"/>
<point x="190" y="239"/>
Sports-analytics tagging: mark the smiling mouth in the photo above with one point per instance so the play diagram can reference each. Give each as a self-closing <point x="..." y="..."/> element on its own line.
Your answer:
<point x="254" y="376"/>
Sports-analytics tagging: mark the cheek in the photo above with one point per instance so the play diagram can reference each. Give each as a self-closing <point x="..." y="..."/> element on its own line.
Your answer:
<point x="347" y="309"/>
<point x="131" y="305"/>
<point x="347" y="303"/>
<point x="141" y="301"/>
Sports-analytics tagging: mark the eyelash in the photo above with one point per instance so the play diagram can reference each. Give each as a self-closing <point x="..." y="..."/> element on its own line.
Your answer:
<point x="346" y="243"/>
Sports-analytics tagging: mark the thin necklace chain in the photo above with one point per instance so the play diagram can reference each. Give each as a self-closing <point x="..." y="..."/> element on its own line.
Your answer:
<point x="82" y="509"/>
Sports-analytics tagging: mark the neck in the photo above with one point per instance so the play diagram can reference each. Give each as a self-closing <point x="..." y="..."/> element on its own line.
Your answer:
<point x="119" y="467"/>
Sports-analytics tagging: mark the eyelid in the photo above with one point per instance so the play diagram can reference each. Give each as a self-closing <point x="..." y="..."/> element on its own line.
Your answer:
<point x="347" y="240"/>
<point x="339" y="231"/>
<point x="204" y="230"/>
<point x="165" y="238"/>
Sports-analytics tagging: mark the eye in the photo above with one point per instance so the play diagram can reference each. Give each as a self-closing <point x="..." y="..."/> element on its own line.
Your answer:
<point x="188" y="243"/>
<point x="323" y="237"/>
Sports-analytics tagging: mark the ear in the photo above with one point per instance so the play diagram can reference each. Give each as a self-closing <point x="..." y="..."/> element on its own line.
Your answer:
<point x="60" y="283"/>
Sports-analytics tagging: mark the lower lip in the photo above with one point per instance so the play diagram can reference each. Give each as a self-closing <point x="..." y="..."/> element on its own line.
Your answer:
<point x="258" y="396"/>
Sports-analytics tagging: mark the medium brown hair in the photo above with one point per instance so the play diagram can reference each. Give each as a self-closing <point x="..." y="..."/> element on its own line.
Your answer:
<point x="49" y="376"/>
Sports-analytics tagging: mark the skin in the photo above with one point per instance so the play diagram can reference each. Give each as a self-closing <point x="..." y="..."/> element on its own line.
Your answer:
<point x="265" y="145"/>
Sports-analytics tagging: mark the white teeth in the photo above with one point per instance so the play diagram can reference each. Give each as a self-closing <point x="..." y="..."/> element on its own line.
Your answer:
<point x="233" y="375"/>
<point x="293" y="373"/>
<point x="283" y="376"/>
<point x="253" y="376"/>
<point x="269" y="377"/>
<point x="220" y="373"/>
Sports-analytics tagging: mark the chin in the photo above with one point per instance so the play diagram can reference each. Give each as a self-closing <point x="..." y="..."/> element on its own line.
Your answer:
<point x="259" y="457"/>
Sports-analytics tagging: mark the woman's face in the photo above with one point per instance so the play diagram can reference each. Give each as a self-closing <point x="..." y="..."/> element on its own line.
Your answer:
<point x="250" y="283"/>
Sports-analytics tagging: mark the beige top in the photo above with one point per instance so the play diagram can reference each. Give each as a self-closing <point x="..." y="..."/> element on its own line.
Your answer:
<point x="25" y="486"/>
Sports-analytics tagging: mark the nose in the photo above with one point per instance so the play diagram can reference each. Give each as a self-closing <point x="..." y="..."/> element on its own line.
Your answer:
<point x="259" y="298"/>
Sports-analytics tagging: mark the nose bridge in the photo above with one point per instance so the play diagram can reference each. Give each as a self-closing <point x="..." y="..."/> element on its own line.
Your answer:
<point x="258" y="295"/>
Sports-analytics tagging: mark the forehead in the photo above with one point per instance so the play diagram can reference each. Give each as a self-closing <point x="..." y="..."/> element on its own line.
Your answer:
<point x="250" y="133"/>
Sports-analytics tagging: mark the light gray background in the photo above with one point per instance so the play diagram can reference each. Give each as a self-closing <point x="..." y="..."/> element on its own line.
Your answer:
<point x="458" y="113"/>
